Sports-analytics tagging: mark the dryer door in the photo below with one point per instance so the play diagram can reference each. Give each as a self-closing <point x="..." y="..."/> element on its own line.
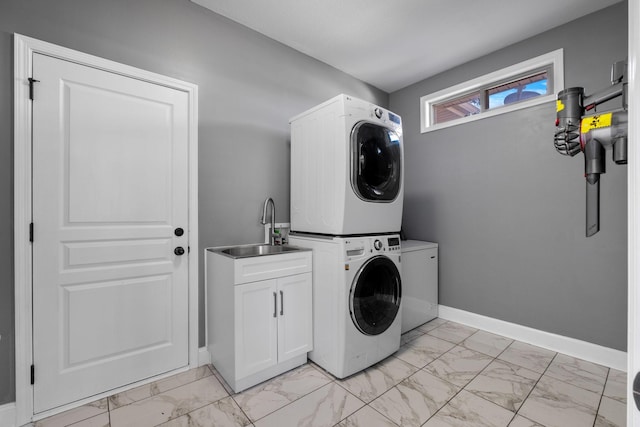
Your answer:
<point x="376" y="162"/>
<point x="374" y="299"/>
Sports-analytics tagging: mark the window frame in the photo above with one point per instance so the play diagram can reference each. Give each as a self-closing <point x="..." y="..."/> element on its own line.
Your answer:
<point x="552" y="61"/>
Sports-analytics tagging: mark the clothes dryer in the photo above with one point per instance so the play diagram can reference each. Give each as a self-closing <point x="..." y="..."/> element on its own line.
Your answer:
<point x="357" y="291"/>
<point x="346" y="169"/>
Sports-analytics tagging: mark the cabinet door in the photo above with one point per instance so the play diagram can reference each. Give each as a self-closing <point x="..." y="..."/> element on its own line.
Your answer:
<point x="419" y="287"/>
<point x="295" y="328"/>
<point x="431" y="280"/>
<point x="255" y="327"/>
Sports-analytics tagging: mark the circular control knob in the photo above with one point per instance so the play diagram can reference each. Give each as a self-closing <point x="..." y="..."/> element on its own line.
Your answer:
<point x="378" y="112"/>
<point x="377" y="245"/>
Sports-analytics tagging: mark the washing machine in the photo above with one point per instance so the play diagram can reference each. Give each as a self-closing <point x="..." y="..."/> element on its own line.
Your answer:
<point x="357" y="291"/>
<point x="346" y="169"/>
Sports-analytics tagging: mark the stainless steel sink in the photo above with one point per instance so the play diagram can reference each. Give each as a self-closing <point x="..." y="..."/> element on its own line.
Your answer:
<point x="257" y="250"/>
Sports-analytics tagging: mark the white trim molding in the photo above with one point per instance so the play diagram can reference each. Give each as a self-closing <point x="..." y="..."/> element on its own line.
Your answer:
<point x="24" y="49"/>
<point x="555" y="59"/>
<point x="633" y="213"/>
<point x="204" y="357"/>
<point x="570" y="346"/>
<point x="8" y="415"/>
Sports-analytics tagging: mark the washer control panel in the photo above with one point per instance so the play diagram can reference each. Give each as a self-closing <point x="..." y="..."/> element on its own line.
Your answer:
<point x="385" y="244"/>
<point x="358" y="247"/>
<point x="393" y="243"/>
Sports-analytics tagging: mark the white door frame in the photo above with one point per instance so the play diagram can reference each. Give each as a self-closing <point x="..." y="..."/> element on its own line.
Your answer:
<point x="633" y="186"/>
<point x="24" y="48"/>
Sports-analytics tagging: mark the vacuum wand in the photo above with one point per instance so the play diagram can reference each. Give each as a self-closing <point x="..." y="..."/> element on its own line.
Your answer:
<point x="592" y="135"/>
<point x="594" y="165"/>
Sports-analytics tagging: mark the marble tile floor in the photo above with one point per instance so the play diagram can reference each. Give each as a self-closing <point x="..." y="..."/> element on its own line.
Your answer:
<point x="445" y="374"/>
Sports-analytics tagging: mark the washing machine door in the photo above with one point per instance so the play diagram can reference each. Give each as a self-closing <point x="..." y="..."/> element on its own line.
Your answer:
<point x="376" y="162"/>
<point x="374" y="299"/>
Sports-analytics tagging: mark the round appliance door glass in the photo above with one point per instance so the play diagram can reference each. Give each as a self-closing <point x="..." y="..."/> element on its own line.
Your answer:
<point x="374" y="299"/>
<point x="376" y="166"/>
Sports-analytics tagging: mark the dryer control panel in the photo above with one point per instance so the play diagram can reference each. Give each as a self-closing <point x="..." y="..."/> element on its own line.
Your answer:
<point x="386" y="117"/>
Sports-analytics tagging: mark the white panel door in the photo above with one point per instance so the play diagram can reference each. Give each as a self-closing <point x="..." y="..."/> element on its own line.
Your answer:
<point x="110" y="186"/>
<point x="295" y="327"/>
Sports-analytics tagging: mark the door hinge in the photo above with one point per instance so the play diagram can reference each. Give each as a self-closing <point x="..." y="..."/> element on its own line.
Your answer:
<point x="31" y="82"/>
<point x="33" y="374"/>
<point x="31" y="232"/>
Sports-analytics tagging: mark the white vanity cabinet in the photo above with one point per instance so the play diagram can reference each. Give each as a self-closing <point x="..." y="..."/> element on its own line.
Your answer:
<point x="271" y="322"/>
<point x="259" y="315"/>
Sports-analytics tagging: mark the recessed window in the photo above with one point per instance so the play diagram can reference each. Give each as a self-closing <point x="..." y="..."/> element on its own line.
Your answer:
<point x="522" y="85"/>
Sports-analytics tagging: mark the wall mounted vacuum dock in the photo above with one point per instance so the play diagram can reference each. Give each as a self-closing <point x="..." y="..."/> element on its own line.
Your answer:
<point x="592" y="134"/>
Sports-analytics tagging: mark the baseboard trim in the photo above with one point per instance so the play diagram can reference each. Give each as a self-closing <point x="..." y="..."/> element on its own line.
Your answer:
<point x="204" y="357"/>
<point x="8" y="415"/>
<point x="581" y="349"/>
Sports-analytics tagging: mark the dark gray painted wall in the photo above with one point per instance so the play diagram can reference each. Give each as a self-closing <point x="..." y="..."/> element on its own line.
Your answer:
<point x="249" y="86"/>
<point x="508" y="211"/>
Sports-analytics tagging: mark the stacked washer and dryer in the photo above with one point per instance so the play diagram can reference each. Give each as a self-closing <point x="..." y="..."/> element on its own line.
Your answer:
<point x="346" y="205"/>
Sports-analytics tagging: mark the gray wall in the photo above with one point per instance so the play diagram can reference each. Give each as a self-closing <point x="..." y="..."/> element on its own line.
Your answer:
<point x="508" y="211"/>
<point x="249" y="86"/>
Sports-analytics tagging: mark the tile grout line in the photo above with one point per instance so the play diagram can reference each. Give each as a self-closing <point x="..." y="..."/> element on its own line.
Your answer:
<point x="289" y="403"/>
<point x="109" y="410"/>
<point x="495" y="358"/>
<point x="535" y="385"/>
<point x="601" y="396"/>
<point x="151" y="394"/>
<point x="515" y="414"/>
<point x="403" y="379"/>
<point x="251" y="422"/>
<point x="173" y="388"/>
<point x="576" y="386"/>
<point x="469" y="382"/>
<point x="383" y="415"/>
<point x="463" y="387"/>
<point x="226" y="387"/>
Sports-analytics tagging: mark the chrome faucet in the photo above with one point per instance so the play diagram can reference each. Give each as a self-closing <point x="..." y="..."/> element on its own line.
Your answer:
<point x="272" y="233"/>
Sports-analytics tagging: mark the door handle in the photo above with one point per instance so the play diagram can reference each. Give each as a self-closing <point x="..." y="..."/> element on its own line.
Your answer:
<point x="179" y="251"/>
<point x="275" y="305"/>
<point x="178" y="231"/>
<point x="281" y="303"/>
